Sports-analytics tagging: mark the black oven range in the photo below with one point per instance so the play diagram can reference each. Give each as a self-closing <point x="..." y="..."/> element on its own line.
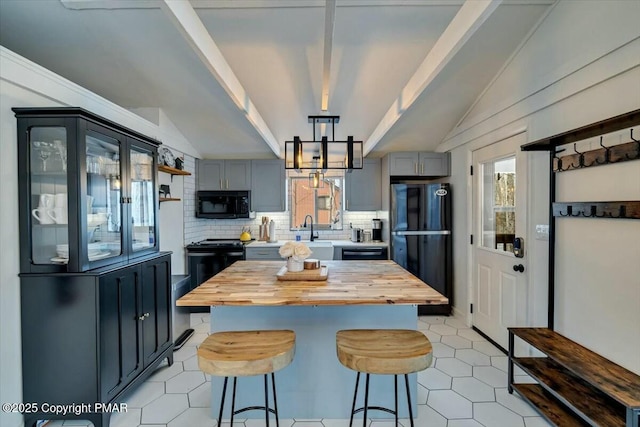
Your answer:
<point x="208" y="257"/>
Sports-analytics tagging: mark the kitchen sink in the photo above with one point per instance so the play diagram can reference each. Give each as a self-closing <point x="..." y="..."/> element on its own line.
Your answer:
<point x="322" y="249"/>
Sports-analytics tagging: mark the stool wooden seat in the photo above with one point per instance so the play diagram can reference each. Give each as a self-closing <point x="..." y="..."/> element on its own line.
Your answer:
<point x="246" y="353"/>
<point x="383" y="351"/>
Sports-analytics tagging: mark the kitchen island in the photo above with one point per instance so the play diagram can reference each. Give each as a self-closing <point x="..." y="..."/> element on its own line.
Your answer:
<point x="356" y="295"/>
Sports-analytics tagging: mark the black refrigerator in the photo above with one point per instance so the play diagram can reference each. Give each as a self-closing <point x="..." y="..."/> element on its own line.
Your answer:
<point x="420" y="226"/>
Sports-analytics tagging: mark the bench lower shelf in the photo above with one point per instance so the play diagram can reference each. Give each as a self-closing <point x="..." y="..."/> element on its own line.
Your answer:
<point x="573" y="391"/>
<point x="548" y="406"/>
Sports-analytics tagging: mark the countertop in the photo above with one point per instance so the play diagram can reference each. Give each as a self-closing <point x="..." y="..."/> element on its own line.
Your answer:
<point x="254" y="283"/>
<point x="334" y="243"/>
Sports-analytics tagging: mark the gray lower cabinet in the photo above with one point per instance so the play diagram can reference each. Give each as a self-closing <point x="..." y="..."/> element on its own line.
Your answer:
<point x="268" y="179"/>
<point x="363" y="187"/>
<point x="95" y="336"/>
<point x="270" y="253"/>
<point x="224" y="175"/>
<point x="416" y="163"/>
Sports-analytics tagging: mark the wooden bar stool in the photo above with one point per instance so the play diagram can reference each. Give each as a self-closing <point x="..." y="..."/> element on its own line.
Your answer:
<point x="383" y="351"/>
<point x="247" y="353"/>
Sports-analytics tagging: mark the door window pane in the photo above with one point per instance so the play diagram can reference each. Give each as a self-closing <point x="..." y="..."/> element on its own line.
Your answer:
<point x="49" y="200"/>
<point x="103" y="200"/>
<point x="498" y="204"/>
<point x="142" y="199"/>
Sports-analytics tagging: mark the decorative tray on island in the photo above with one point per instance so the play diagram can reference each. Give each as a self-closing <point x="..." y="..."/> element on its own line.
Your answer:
<point x="318" y="274"/>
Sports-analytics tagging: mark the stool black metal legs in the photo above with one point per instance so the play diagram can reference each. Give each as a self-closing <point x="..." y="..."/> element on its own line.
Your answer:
<point x="406" y="383"/>
<point x="355" y="395"/>
<point x="366" y="406"/>
<point x="251" y="408"/>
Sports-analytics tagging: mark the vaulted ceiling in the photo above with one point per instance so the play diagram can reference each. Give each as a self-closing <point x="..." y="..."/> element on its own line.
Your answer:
<point x="240" y="77"/>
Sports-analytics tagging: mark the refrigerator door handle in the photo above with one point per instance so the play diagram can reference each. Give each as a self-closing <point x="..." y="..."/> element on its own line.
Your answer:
<point x="420" y="233"/>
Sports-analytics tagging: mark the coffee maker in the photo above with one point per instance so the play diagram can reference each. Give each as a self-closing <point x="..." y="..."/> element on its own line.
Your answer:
<point x="376" y="230"/>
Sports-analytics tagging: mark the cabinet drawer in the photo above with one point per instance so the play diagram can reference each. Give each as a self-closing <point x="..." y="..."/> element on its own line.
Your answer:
<point x="265" y="254"/>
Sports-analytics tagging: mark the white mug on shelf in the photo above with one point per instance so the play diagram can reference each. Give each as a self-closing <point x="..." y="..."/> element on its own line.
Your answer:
<point x="42" y="215"/>
<point x="61" y="201"/>
<point x="58" y="214"/>
<point x="46" y="201"/>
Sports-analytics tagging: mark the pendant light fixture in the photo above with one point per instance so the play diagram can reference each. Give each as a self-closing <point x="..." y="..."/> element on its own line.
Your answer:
<point x="323" y="154"/>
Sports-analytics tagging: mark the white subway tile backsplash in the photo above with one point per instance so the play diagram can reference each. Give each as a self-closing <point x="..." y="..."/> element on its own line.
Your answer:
<point x="196" y="229"/>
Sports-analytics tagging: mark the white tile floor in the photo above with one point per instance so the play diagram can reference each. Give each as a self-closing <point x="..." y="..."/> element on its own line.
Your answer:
<point x="465" y="387"/>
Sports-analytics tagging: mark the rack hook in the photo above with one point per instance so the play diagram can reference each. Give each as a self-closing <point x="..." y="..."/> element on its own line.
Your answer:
<point x="637" y="156"/>
<point x="580" y="160"/>
<point x="569" y="209"/>
<point x="607" y="155"/>
<point x="593" y="212"/>
<point x="622" y="212"/>
<point x="558" y="161"/>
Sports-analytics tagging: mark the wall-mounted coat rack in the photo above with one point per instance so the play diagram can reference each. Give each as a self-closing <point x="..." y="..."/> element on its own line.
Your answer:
<point x="597" y="157"/>
<point x="628" y="151"/>
<point x="623" y="210"/>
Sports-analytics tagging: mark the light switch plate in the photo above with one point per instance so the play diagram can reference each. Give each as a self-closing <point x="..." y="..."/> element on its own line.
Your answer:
<point x="542" y="232"/>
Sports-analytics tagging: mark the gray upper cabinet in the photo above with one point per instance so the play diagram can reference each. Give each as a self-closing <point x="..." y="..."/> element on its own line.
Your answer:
<point x="224" y="174"/>
<point x="210" y="174"/>
<point x="363" y="187"/>
<point x="237" y="175"/>
<point x="416" y="163"/>
<point x="268" y="185"/>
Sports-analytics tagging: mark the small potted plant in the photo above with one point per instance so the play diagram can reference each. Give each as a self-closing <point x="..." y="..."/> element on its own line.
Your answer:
<point x="295" y="253"/>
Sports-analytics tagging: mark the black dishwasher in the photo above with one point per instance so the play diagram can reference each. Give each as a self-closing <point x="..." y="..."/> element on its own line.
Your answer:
<point x="363" y="253"/>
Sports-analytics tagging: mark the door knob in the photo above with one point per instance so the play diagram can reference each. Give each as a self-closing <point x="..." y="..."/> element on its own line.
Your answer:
<point x="518" y="267"/>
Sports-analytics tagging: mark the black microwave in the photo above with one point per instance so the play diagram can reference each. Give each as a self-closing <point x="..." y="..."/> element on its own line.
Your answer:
<point x="222" y="204"/>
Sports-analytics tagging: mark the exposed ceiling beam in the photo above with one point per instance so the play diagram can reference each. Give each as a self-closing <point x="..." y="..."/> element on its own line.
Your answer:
<point x="187" y="21"/>
<point x="469" y="18"/>
<point x="329" y="21"/>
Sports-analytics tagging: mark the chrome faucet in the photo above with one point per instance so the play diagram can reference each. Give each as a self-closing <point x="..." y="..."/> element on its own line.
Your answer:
<point x="312" y="237"/>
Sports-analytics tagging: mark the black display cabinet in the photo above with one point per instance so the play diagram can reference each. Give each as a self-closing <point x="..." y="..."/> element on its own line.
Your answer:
<point x="88" y="191"/>
<point x="95" y="290"/>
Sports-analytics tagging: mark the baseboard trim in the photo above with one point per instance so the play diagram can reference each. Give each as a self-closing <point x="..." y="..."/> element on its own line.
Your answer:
<point x="485" y="336"/>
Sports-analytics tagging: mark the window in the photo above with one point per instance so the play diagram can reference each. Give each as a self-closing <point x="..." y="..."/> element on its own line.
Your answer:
<point x="498" y="204"/>
<point x="324" y="204"/>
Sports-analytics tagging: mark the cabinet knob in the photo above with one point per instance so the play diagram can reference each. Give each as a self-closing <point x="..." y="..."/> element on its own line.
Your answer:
<point x="518" y="267"/>
<point x="141" y="317"/>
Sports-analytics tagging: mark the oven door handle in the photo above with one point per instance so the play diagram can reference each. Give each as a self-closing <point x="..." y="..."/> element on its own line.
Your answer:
<point x="201" y="254"/>
<point x="234" y="254"/>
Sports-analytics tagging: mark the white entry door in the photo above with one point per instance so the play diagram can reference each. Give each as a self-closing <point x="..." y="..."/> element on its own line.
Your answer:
<point x="499" y="278"/>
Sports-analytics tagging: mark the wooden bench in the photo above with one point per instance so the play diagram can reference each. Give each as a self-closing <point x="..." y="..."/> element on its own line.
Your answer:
<point x="576" y="385"/>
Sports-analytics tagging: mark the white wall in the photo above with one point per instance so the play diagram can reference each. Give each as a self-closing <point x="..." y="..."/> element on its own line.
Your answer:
<point x="25" y="84"/>
<point x="581" y="65"/>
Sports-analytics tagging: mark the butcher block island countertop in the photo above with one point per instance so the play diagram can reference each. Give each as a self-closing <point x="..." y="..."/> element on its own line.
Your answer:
<point x="254" y="283"/>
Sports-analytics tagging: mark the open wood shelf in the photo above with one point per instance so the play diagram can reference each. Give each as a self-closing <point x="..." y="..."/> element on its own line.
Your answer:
<point x="172" y="171"/>
<point x="576" y="380"/>
<point x="168" y="199"/>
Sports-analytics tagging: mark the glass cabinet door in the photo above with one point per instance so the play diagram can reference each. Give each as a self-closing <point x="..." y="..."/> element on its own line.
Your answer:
<point x="49" y="194"/>
<point x="104" y="197"/>
<point x="142" y="194"/>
